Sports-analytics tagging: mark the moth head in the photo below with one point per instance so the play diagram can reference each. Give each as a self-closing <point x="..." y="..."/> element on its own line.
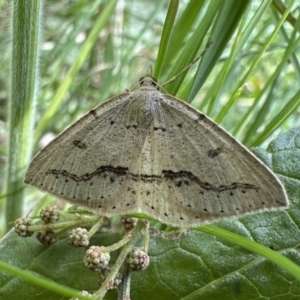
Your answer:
<point x="148" y="81"/>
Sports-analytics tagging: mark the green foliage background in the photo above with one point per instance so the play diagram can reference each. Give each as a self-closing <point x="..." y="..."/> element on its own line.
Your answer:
<point x="92" y="50"/>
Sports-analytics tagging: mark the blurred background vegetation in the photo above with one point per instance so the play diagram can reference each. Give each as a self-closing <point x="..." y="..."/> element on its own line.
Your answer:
<point x="249" y="76"/>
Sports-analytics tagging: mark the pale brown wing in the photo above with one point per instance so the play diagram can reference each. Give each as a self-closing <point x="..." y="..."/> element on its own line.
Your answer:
<point x="200" y="172"/>
<point x="88" y="163"/>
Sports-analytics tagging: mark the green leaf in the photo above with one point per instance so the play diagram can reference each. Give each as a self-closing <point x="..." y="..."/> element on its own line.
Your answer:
<point x="165" y="36"/>
<point x="188" y="48"/>
<point x="59" y="262"/>
<point x="226" y="22"/>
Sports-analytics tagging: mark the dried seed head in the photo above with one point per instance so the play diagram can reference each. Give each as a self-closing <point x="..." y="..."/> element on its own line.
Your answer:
<point x="118" y="280"/>
<point x="128" y="222"/>
<point x="103" y="273"/>
<point x="21" y="227"/>
<point x="49" y="214"/>
<point x="78" y="237"/>
<point x="95" y="259"/>
<point x="137" y="260"/>
<point x="46" y="237"/>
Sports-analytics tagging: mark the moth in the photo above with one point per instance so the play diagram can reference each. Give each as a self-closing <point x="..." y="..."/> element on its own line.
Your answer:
<point x="148" y="152"/>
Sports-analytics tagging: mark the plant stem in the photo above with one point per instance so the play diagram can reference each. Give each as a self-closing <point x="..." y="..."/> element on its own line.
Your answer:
<point x="124" y="291"/>
<point x="26" y="30"/>
<point x="121" y="258"/>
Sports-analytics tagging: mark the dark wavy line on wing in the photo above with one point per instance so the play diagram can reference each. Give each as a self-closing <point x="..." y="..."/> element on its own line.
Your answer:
<point x="179" y="178"/>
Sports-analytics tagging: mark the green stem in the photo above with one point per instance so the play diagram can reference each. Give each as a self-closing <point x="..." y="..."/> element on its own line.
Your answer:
<point x="117" y="245"/>
<point x="124" y="290"/>
<point x="78" y="216"/>
<point x="121" y="258"/>
<point x="146" y="236"/>
<point x="26" y="30"/>
<point x="262" y="250"/>
<point x="41" y="282"/>
<point x="95" y="227"/>
<point x="55" y="226"/>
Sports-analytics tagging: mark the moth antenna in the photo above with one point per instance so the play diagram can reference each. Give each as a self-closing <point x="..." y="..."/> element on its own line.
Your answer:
<point x="188" y="66"/>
